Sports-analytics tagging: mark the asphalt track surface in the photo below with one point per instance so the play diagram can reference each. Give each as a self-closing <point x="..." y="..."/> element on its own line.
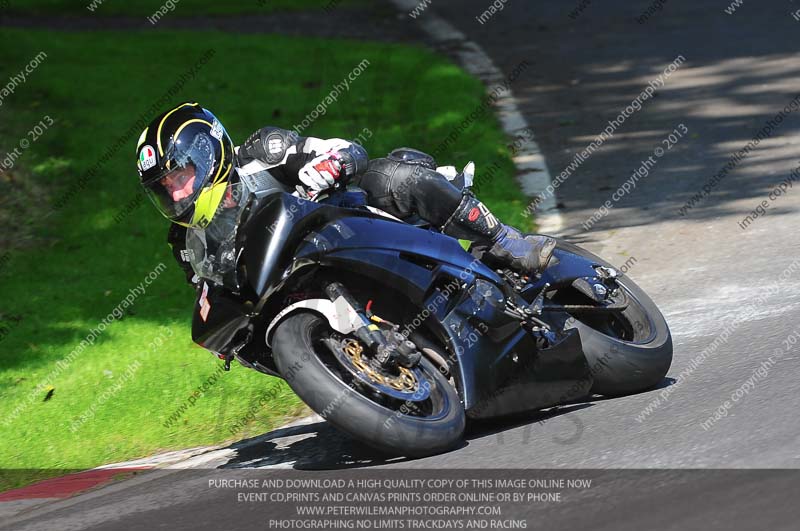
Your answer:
<point x="704" y="270"/>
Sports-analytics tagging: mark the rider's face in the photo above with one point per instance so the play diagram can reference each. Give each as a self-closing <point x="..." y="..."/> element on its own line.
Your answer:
<point x="180" y="183"/>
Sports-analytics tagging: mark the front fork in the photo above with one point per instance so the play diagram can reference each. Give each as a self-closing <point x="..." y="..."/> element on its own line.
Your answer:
<point x="388" y="347"/>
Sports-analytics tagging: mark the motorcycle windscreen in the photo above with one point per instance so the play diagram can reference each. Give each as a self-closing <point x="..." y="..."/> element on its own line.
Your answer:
<point x="212" y="250"/>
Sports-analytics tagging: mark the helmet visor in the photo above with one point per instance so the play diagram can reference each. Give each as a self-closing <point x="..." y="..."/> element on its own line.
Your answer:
<point x="187" y="170"/>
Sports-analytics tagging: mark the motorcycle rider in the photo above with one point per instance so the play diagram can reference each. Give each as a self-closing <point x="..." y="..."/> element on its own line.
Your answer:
<point x="187" y="165"/>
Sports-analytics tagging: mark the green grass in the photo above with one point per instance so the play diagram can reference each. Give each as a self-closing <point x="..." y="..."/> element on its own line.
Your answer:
<point x="70" y="267"/>
<point x="182" y="7"/>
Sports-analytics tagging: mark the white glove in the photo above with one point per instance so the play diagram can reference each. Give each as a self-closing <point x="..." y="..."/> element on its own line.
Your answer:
<point x="321" y="173"/>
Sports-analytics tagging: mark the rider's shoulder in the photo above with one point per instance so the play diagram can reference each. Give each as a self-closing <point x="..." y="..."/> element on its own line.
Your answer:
<point x="288" y="136"/>
<point x="268" y="144"/>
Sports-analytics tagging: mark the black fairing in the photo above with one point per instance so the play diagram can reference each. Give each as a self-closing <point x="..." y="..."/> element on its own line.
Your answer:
<point x="227" y="316"/>
<point x="529" y="379"/>
<point x="273" y="232"/>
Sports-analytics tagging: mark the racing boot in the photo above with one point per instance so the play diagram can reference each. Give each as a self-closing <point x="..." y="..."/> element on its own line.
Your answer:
<point x="526" y="254"/>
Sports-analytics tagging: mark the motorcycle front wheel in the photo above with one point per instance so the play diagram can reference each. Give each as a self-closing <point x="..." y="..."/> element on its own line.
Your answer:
<point x="401" y="427"/>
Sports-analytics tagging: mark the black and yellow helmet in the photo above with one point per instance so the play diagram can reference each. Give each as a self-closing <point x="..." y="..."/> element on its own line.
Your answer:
<point x="185" y="162"/>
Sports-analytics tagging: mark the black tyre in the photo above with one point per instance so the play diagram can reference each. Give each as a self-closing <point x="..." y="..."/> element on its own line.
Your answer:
<point x="628" y="351"/>
<point x="318" y="378"/>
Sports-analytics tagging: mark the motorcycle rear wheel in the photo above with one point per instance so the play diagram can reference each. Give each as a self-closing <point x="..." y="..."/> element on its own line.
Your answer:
<point x="628" y="351"/>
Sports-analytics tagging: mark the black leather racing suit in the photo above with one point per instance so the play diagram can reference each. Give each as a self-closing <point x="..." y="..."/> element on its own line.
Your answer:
<point x="404" y="183"/>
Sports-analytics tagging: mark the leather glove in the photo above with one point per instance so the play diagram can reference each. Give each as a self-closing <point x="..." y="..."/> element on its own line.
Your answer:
<point x="321" y="173"/>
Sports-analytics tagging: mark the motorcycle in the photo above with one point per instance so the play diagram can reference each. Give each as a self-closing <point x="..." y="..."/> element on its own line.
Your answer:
<point x="396" y="334"/>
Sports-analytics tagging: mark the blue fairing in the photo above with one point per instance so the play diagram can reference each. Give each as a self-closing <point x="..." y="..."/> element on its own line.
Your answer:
<point x="413" y="256"/>
<point x="288" y="230"/>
